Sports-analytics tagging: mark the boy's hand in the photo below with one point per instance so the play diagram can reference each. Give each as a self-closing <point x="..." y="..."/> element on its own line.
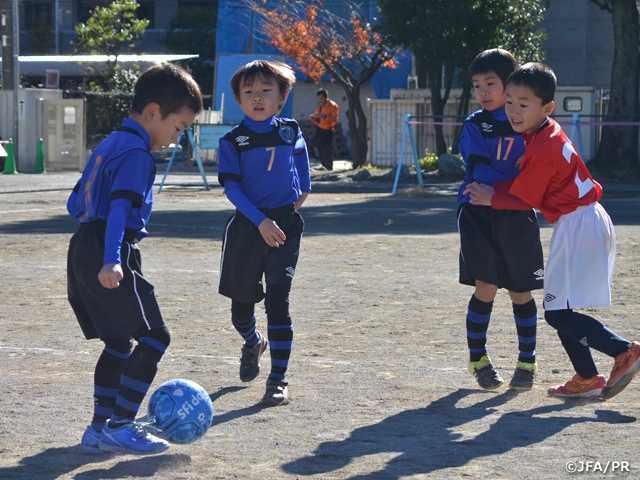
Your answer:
<point x="110" y="275"/>
<point x="298" y="203"/>
<point x="480" y="194"/>
<point x="271" y="233"/>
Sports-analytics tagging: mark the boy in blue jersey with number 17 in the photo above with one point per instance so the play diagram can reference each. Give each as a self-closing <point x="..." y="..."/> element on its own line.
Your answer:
<point x="498" y="248"/>
<point x="264" y="168"/>
<point x="111" y="299"/>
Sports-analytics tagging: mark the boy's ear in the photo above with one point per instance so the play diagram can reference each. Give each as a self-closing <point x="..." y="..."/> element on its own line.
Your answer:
<point x="151" y="110"/>
<point x="237" y="99"/>
<point x="549" y="107"/>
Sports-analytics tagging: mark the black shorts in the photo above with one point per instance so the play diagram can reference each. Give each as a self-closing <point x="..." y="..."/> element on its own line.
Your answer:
<point x="246" y="257"/>
<point x="500" y="247"/>
<point x="102" y="312"/>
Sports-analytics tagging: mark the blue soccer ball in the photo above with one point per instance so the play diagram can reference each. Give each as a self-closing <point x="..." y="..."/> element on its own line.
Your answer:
<point x="181" y="410"/>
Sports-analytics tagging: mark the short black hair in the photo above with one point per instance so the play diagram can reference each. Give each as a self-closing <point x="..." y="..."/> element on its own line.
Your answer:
<point x="538" y="77"/>
<point x="266" y="70"/>
<point x="168" y="85"/>
<point x="322" y="91"/>
<point x="496" y="60"/>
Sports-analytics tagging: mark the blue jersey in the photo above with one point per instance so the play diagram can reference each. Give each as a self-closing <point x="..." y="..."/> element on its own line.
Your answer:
<point x="490" y="148"/>
<point x="268" y="160"/>
<point x="120" y="167"/>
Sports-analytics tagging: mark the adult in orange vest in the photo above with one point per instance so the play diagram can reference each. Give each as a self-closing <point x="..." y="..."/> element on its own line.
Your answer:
<point x="325" y="118"/>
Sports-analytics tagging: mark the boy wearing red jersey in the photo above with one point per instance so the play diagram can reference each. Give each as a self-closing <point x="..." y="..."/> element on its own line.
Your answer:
<point x="583" y="245"/>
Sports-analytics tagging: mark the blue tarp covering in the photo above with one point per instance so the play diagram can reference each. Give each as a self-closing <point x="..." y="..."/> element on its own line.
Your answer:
<point x="226" y="65"/>
<point x="238" y="32"/>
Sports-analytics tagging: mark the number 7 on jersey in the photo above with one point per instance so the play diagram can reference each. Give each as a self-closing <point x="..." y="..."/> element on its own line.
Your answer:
<point x="273" y="155"/>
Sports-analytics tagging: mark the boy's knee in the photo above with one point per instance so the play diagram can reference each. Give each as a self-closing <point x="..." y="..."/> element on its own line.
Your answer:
<point x="556" y="318"/>
<point x="157" y="339"/>
<point x="241" y="312"/>
<point x="120" y="345"/>
<point x="276" y="303"/>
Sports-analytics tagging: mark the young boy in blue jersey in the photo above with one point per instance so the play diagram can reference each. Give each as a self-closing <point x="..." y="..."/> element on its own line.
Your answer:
<point x="498" y="248"/>
<point x="111" y="299"/>
<point x="264" y="168"/>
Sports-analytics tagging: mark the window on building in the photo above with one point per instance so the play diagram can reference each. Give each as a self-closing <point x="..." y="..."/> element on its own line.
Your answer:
<point x="84" y="10"/>
<point x="210" y="4"/>
<point x="37" y="14"/>
<point x="146" y="11"/>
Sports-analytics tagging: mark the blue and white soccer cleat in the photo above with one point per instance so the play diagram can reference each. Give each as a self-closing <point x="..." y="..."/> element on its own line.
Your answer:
<point x="90" y="441"/>
<point x="131" y="438"/>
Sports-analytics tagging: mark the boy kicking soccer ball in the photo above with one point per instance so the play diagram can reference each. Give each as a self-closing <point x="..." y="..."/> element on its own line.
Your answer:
<point x="110" y="297"/>
<point x="583" y="245"/>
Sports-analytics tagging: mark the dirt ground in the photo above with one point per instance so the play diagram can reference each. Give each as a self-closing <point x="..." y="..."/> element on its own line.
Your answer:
<point x="378" y="379"/>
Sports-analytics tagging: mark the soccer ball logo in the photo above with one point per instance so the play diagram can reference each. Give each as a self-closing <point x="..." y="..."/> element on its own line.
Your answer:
<point x="181" y="410"/>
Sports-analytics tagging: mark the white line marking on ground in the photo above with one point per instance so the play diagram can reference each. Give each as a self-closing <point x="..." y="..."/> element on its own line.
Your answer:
<point x="33" y="210"/>
<point x="219" y="357"/>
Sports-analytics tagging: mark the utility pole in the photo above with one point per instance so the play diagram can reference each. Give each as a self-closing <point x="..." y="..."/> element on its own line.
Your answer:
<point x="6" y="30"/>
<point x="16" y="80"/>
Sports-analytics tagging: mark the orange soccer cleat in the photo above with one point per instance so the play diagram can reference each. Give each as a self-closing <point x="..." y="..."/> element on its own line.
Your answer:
<point x="627" y="364"/>
<point x="579" y="387"/>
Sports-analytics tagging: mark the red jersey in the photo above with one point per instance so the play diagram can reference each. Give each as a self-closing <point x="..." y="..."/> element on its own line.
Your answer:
<point x="554" y="178"/>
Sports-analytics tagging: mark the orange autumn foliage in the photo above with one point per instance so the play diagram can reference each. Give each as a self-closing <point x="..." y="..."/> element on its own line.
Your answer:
<point x="312" y="47"/>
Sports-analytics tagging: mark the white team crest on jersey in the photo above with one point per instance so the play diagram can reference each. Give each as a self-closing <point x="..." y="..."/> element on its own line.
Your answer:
<point x="286" y="133"/>
<point x="486" y="127"/>
<point x="290" y="271"/>
<point x="242" y="140"/>
<point x="539" y="274"/>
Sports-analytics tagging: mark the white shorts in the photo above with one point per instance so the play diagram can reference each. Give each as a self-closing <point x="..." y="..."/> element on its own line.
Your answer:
<point x="582" y="256"/>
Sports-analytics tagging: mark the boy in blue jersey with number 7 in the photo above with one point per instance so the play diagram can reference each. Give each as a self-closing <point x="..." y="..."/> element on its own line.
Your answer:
<point x="498" y="248"/>
<point x="264" y="168"/>
<point x="110" y="297"/>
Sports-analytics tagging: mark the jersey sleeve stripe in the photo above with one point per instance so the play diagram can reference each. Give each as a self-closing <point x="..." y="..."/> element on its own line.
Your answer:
<point x="135" y="198"/>
<point x="223" y="177"/>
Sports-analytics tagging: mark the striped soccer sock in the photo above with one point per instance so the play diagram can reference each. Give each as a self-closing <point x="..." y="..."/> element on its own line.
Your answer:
<point x="136" y="379"/>
<point x="526" y="317"/>
<point x="247" y="331"/>
<point x="478" y="316"/>
<point x="106" y="383"/>
<point x="280" y="343"/>
<point x="279" y="329"/>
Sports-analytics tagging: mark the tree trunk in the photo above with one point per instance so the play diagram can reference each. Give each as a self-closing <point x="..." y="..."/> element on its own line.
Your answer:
<point x="437" y="109"/>
<point x="357" y="121"/>
<point x="463" y="112"/>
<point x="619" y="145"/>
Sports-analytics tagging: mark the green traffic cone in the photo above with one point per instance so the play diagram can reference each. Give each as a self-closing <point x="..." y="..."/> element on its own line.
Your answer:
<point x="9" y="162"/>
<point x="38" y="166"/>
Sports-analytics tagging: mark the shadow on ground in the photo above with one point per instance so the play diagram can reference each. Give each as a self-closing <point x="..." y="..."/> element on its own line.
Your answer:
<point x="380" y="215"/>
<point x="424" y="442"/>
<point x="388" y="215"/>
<point x="56" y="462"/>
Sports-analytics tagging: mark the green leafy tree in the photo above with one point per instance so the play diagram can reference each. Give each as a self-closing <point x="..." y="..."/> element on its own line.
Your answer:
<point x="193" y="30"/>
<point x="445" y="36"/>
<point x="110" y="30"/>
<point x="618" y="149"/>
<point x="41" y="40"/>
<point x="109" y="102"/>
